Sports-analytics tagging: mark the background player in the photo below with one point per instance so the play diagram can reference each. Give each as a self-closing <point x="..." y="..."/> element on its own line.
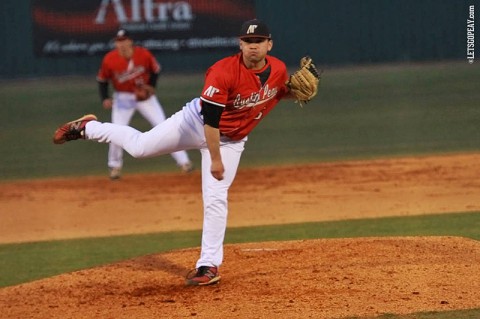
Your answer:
<point x="239" y="91"/>
<point x="133" y="71"/>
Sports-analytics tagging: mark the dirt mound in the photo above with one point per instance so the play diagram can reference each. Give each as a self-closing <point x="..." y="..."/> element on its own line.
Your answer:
<point x="331" y="278"/>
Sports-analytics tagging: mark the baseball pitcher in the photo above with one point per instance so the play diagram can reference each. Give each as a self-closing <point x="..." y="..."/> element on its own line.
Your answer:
<point x="239" y="92"/>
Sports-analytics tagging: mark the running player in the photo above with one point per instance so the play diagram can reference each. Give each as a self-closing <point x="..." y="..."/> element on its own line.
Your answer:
<point x="239" y="91"/>
<point x="131" y="69"/>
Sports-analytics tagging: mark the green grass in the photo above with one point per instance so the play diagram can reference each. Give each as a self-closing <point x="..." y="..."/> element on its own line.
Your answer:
<point x="359" y="113"/>
<point x="29" y="261"/>
<point x="456" y="314"/>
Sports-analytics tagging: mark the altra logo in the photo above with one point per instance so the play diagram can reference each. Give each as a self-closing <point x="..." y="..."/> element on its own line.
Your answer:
<point x="136" y="11"/>
<point x="211" y="91"/>
<point x="251" y="28"/>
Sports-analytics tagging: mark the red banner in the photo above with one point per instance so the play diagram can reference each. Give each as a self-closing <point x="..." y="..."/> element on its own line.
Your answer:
<point x="87" y="27"/>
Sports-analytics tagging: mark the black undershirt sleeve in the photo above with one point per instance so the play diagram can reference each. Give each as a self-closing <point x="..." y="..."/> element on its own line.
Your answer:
<point x="153" y="79"/>
<point x="211" y="114"/>
<point x="103" y="90"/>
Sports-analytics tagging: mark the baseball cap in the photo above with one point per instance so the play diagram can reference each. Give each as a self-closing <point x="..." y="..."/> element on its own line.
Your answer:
<point x="122" y="34"/>
<point x="254" y="29"/>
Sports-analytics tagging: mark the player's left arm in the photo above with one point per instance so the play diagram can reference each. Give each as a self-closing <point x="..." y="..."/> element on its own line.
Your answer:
<point x="288" y="94"/>
<point x="154" y="68"/>
<point x="152" y="80"/>
<point x="283" y="76"/>
<point x="145" y="88"/>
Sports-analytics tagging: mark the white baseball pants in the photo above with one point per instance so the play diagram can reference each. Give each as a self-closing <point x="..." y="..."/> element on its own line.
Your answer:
<point x="123" y="109"/>
<point x="183" y="131"/>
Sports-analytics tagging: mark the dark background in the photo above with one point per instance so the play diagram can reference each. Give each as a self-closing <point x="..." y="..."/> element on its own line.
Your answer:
<point x="334" y="32"/>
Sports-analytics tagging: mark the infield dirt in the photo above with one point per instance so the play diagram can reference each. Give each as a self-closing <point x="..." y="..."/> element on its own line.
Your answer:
<point x="328" y="278"/>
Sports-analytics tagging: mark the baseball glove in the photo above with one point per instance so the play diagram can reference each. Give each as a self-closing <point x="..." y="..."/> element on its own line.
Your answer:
<point x="303" y="84"/>
<point x="143" y="92"/>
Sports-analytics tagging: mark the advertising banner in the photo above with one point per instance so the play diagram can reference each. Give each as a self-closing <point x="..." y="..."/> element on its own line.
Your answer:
<point x="88" y="27"/>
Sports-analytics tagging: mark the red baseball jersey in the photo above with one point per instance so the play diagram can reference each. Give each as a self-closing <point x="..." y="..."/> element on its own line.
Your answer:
<point x="230" y="84"/>
<point x="124" y="73"/>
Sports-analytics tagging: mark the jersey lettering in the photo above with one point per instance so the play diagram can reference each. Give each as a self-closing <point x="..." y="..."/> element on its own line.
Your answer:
<point x="130" y="74"/>
<point x="210" y="91"/>
<point x="251" y="28"/>
<point x="255" y="98"/>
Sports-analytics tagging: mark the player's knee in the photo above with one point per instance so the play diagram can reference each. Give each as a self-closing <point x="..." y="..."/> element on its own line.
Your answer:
<point x="138" y="153"/>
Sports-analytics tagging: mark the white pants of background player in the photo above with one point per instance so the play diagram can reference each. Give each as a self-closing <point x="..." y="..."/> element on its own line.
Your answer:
<point x="183" y="131"/>
<point x="123" y="109"/>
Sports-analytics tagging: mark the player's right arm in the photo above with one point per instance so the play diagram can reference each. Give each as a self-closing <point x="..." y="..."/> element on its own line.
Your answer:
<point x="102" y="80"/>
<point x="211" y="118"/>
<point x="214" y="98"/>
<point x="213" y="142"/>
<point x="103" y="90"/>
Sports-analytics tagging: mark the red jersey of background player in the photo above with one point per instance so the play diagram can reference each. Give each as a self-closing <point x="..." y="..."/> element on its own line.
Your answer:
<point x="126" y="74"/>
<point x="230" y="84"/>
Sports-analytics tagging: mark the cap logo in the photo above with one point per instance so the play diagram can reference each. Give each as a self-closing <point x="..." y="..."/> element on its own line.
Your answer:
<point x="251" y="29"/>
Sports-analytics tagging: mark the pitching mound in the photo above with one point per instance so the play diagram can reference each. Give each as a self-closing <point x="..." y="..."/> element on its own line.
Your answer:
<point x="331" y="278"/>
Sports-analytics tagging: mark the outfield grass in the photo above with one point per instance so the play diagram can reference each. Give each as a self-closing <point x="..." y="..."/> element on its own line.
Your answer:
<point x="456" y="314"/>
<point x="359" y="113"/>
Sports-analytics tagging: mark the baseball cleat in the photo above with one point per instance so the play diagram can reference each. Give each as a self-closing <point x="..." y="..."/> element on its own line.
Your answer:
<point x="72" y="130"/>
<point x="115" y="173"/>
<point x="187" y="167"/>
<point x="203" y="276"/>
